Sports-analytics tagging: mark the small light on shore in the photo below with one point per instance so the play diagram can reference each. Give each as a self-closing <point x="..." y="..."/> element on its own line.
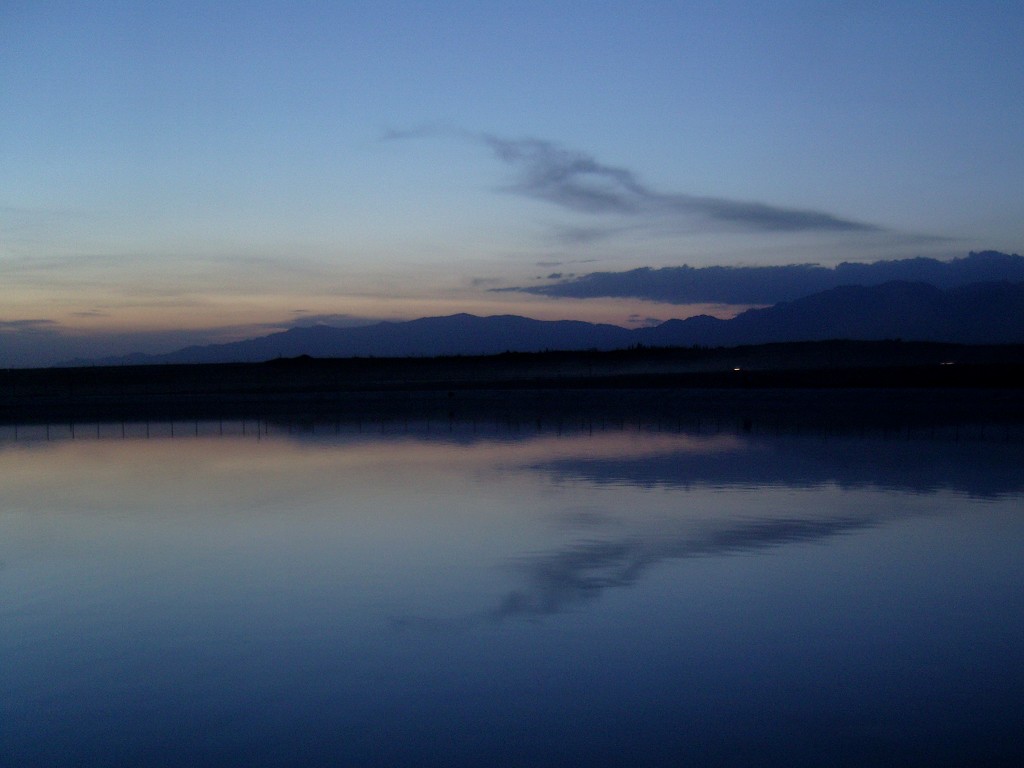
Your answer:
<point x="736" y="369"/>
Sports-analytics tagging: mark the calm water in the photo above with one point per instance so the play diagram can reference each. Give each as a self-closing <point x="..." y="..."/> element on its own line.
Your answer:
<point x="451" y="595"/>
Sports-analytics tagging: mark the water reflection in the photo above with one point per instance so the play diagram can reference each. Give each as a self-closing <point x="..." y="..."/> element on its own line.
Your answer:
<point x="558" y="581"/>
<point x="974" y="461"/>
<point x="467" y="593"/>
<point x="978" y="467"/>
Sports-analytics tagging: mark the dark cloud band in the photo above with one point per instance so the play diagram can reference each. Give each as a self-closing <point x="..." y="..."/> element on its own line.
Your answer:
<point x="769" y="285"/>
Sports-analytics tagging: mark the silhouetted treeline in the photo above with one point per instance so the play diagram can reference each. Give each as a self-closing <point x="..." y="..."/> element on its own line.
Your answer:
<point x="660" y="375"/>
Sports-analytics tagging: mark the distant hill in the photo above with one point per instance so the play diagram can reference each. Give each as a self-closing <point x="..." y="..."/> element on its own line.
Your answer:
<point x="979" y="313"/>
<point x="460" y="334"/>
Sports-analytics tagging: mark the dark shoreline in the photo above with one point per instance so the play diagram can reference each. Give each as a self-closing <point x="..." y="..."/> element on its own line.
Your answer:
<point x="838" y="383"/>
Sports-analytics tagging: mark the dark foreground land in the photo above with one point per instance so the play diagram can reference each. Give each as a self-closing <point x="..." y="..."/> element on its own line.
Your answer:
<point x="842" y="383"/>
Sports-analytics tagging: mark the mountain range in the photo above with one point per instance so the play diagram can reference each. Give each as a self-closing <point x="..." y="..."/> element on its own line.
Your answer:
<point x="978" y="313"/>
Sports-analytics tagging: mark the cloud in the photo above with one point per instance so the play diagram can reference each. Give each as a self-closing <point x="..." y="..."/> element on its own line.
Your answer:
<point x="90" y="313"/>
<point x="425" y="131"/>
<point x="563" y="262"/>
<point x="304" y="318"/>
<point x="772" y="284"/>
<point x="576" y="181"/>
<point x="650" y="322"/>
<point x="484" y="282"/>
<point x="586" y="235"/>
<point x="28" y="326"/>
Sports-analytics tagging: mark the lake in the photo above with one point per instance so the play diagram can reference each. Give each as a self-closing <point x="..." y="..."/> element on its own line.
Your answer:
<point x="481" y="593"/>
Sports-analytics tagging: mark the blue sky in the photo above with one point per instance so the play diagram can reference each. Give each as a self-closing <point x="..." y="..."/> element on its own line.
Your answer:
<point x="177" y="172"/>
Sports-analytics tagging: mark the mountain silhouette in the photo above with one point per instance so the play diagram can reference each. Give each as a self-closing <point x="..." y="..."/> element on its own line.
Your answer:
<point x="979" y="313"/>
<point x="460" y="334"/>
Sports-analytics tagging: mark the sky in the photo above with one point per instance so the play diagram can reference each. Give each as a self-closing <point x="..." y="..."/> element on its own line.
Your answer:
<point x="179" y="172"/>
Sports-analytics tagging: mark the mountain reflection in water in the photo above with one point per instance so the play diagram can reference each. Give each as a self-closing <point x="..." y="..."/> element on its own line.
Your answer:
<point x="454" y="593"/>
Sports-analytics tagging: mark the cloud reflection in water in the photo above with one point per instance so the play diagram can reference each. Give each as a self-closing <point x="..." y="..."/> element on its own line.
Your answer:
<point x="560" y="580"/>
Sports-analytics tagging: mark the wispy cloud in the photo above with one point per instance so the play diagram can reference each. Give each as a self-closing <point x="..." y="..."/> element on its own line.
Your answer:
<point x="305" y="318"/>
<point x="650" y="322"/>
<point x="485" y="282"/>
<point x="29" y="326"/>
<point x="563" y="262"/>
<point x="578" y="182"/>
<point x="576" y="235"/>
<point x="90" y="313"/>
<point x="425" y="131"/>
